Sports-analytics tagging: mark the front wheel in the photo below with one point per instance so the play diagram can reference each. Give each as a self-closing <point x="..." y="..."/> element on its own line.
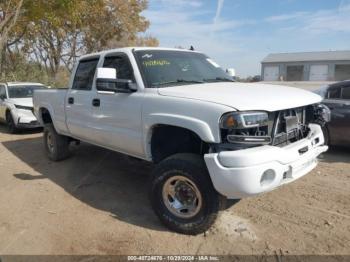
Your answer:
<point x="11" y="126"/>
<point x="182" y="194"/>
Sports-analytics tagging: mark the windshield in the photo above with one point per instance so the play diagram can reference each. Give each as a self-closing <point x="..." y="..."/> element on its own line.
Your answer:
<point x="162" y="68"/>
<point x="321" y="91"/>
<point x="22" y="91"/>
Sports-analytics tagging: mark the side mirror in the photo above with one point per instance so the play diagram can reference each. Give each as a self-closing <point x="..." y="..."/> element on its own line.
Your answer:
<point x="2" y="97"/>
<point x="106" y="73"/>
<point x="107" y="81"/>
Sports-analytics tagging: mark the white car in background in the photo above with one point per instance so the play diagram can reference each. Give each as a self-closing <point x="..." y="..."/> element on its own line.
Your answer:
<point x="16" y="105"/>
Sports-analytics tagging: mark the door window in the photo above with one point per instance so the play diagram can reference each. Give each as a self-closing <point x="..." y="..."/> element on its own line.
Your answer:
<point x="2" y="92"/>
<point x="84" y="76"/>
<point x="334" y="93"/>
<point x="346" y="93"/>
<point x="122" y="64"/>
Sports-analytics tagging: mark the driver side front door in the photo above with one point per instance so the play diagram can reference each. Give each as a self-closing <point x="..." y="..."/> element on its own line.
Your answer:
<point x="117" y="119"/>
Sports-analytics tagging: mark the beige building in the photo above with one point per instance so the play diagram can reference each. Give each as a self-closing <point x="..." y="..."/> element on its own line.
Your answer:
<point x="306" y="66"/>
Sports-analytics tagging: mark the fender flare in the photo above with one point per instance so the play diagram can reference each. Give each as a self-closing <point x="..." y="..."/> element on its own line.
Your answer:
<point x="9" y="108"/>
<point x="39" y="113"/>
<point x="197" y="126"/>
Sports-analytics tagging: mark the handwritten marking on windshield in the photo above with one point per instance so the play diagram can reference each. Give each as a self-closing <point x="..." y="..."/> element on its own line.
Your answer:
<point x="156" y="63"/>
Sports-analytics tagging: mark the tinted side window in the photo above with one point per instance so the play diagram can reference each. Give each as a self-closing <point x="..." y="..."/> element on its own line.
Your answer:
<point x="346" y="93"/>
<point x="84" y="75"/>
<point x="122" y="64"/>
<point x="334" y="93"/>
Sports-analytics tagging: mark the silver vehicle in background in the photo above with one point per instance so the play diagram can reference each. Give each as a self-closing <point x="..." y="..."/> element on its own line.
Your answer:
<point x="16" y="105"/>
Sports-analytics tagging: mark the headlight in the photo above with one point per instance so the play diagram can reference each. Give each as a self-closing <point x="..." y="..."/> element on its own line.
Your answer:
<point x="24" y="107"/>
<point x="250" y="128"/>
<point x="242" y="120"/>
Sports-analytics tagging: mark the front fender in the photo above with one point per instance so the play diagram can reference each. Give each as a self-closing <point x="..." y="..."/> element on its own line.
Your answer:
<point x="199" y="127"/>
<point x="12" y="109"/>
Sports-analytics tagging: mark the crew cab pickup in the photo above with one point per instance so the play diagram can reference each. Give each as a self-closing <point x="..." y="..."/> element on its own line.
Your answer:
<point x="211" y="138"/>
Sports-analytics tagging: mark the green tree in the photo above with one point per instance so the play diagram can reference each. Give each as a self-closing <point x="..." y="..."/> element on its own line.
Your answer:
<point x="49" y="35"/>
<point x="63" y="30"/>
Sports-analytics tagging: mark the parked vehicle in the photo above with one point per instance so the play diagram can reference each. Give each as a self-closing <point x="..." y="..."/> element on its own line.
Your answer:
<point x="16" y="105"/>
<point x="337" y="98"/>
<point x="210" y="138"/>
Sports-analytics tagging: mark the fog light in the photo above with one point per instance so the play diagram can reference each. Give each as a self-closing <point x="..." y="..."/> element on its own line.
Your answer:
<point x="267" y="177"/>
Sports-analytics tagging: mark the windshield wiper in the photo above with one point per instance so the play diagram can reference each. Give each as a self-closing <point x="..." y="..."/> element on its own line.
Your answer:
<point x="178" y="81"/>
<point x="218" y="79"/>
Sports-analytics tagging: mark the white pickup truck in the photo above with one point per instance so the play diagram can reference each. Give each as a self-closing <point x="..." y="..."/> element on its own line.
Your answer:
<point x="211" y="139"/>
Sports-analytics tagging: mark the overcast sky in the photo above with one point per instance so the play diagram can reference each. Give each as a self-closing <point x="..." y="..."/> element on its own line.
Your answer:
<point x="240" y="33"/>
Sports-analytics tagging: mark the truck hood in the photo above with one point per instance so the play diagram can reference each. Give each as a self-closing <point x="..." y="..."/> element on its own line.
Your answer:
<point x="21" y="101"/>
<point x="245" y="96"/>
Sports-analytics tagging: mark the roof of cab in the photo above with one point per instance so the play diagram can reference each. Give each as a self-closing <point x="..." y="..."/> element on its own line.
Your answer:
<point x="124" y="49"/>
<point x="340" y="84"/>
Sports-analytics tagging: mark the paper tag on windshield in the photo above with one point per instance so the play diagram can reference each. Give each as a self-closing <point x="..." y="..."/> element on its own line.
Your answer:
<point x="147" y="56"/>
<point x="212" y="62"/>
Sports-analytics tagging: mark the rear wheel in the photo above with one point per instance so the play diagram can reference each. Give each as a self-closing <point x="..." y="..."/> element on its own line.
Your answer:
<point x="11" y="126"/>
<point x="56" y="146"/>
<point x="182" y="194"/>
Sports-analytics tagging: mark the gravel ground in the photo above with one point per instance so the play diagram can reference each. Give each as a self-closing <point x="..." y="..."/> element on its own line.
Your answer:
<point x="96" y="203"/>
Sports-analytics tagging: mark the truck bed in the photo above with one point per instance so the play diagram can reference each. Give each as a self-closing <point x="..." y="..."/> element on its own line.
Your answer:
<point x="54" y="100"/>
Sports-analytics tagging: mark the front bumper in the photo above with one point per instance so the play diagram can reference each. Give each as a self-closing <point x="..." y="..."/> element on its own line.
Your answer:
<point x="248" y="172"/>
<point x="26" y="119"/>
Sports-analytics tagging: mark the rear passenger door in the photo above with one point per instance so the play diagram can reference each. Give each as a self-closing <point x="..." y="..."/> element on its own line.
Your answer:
<point x="117" y="122"/>
<point x="338" y="127"/>
<point x="78" y="100"/>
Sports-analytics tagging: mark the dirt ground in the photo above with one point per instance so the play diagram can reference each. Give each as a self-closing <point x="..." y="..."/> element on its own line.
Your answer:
<point x="96" y="203"/>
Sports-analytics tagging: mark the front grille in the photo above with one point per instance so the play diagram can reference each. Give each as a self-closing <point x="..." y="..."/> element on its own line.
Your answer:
<point x="284" y="127"/>
<point x="289" y="126"/>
